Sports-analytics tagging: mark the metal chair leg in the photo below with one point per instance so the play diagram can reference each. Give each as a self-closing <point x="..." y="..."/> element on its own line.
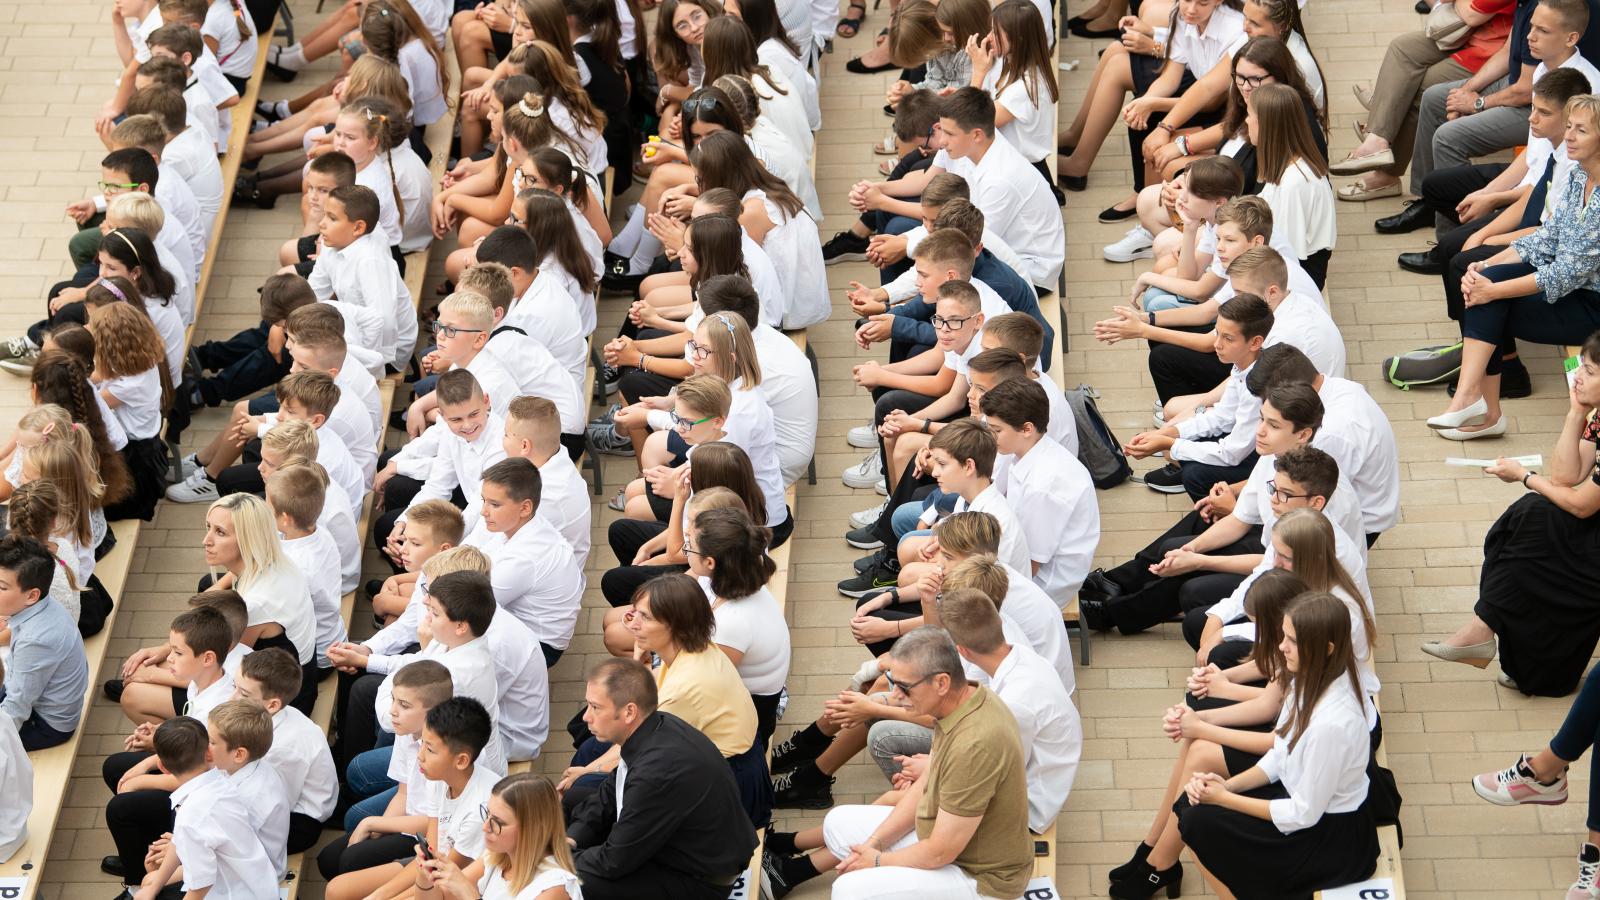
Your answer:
<point x="286" y="21"/>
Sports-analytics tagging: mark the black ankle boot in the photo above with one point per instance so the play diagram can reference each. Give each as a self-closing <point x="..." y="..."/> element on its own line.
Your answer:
<point x="1145" y="882"/>
<point x="1122" y="872"/>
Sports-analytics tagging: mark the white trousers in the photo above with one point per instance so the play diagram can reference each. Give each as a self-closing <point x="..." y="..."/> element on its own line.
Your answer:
<point x="847" y="826"/>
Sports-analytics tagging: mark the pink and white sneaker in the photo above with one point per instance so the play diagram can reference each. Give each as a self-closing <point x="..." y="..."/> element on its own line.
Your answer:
<point x="1588" y="868"/>
<point x="1517" y="785"/>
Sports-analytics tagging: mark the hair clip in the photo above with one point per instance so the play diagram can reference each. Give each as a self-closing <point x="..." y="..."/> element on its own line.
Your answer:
<point x="48" y="427"/>
<point x="726" y="322"/>
<point x="115" y="291"/>
<point x="531" y="111"/>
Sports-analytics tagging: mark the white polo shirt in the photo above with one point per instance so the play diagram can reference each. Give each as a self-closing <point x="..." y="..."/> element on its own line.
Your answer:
<point x="1303" y="322"/>
<point x="535" y="577"/>
<point x="1356" y="433"/>
<point x="302" y="759"/>
<point x="1053" y="499"/>
<point x="1015" y="198"/>
<point x="1051" y="731"/>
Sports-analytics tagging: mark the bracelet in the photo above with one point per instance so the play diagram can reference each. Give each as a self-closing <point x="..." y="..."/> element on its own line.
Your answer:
<point x="1152" y="319"/>
<point x="643" y="357"/>
<point x="1165" y="127"/>
<point x="925" y="424"/>
<point x="1525" y="479"/>
<point x="877" y="859"/>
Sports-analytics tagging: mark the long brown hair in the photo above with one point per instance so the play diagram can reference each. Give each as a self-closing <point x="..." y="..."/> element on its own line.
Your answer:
<point x="1326" y="654"/>
<point x="1028" y="58"/>
<point x="724" y="464"/>
<point x="671" y="54"/>
<point x="1273" y="56"/>
<point x="1266" y="602"/>
<point x="548" y="20"/>
<point x="541" y="832"/>
<point x="604" y="25"/>
<point x="1309" y="536"/>
<point x="1282" y="135"/>
<point x="542" y="62"/>
<point x="126" y="342"/>
<point x="716" y="243"/>
<point x="374" y="115"/>
<point x="61" y="378"/>
<point x="724" y="160"/>
<point x="554" y="233"/>
<point x="730" y="49"/>
<point x="388" y="25"/>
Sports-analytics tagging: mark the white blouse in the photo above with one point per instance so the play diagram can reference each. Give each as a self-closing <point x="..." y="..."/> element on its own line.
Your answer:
<point x="280" y="595"/>
<point x="1326" y="772"/>
<point x="795" y="249"/>
<point x="1302" y="208"/>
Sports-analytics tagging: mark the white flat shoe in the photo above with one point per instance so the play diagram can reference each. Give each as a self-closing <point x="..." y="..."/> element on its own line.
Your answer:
<point x="1456" y="434"/>
<point x="1470" y="415"/>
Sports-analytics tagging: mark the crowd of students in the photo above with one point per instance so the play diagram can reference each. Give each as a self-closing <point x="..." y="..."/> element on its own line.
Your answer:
<point x="990" y="521"/>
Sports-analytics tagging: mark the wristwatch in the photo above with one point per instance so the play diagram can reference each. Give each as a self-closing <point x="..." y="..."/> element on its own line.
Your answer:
<point x="1477" y="105"/>
<point x="1525" y="479"/>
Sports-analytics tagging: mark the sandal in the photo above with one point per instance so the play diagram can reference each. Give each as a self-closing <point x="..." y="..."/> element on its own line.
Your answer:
<point x="886" y="147"/>
<point x="850" y="25"/>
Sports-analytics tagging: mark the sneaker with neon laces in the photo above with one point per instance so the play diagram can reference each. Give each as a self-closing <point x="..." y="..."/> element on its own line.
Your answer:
<point x="197" y="488"/>
<point x="866" y="473"/>
<point x="867" y="516"/>
<point x="872" y="582"/>
<point x="1518" y="785"/>
<point x="863" y="436"/>
<point x="1136" y="244"/>
<point x="1588" y="871"/>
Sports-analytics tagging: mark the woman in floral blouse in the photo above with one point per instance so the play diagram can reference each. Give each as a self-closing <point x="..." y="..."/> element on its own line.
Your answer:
<point x="1544" y="288"/>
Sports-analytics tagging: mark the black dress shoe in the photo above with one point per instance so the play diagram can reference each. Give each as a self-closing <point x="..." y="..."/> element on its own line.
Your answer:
<point x="1099" y="586"/>
<point x="860" y="68"/>
<point x="1112" y="215"/>
<point x="280" y="73"/>
<point x="1083" y="30"/>
<point x="1092" y="614"/>
<point x="1515" y="383"/>
<point x="1073" y="183"/>
<point x="112" y="865"/>
<point x="113" y="692"/>
<point x="1146" y="881"/>
<point x="1416" y="215"/>
<point x="1424" y="263"/>
<point x="1423" y="7"/>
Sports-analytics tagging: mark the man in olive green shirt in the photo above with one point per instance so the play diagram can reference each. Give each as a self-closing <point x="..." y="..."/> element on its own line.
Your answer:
<point x="961" y="831"/>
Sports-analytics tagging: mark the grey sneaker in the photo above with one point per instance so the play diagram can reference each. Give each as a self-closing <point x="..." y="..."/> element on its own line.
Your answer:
<point x="21" y="365"/>
<point x="605" y="439"/>
<point x="607" y="417"/>
<point x="11" y="348"/>
<point x="197" y="488"/>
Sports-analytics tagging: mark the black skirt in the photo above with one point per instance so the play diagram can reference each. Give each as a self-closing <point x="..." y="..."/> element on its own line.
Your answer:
<point x="1536" y="560"/>
<point x="1237" y="761"/>
<point x="147" y="464"/>
<point x="1256" y="860"/>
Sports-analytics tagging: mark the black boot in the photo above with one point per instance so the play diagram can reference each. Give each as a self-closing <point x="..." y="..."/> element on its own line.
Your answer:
<point x="1145" y="882"/>
<point x="804" y="788"/>
<point x="798" y="749"/>
<point x="1122" y="872"/>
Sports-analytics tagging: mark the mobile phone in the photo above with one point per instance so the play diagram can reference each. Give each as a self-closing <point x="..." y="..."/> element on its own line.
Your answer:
<point x="422" y="844"/>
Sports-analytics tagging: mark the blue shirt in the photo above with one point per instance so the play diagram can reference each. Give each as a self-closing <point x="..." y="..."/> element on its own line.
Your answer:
<point x="48" y="673"/>
<point x="1565" y="252"/>
<point x="911" y="319"/>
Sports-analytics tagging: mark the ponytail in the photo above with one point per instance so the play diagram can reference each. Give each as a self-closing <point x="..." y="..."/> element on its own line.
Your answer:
<point x="382" y="120"/>
<point x="239" y="20"/>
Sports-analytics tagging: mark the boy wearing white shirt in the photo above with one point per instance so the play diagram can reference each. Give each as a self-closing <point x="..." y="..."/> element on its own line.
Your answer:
<point x="315" y="340"/>
<point x="532" y="432"/>
<point x="16" y="785"/>
<point x="356" y="266"/>
<point x="1047" y="488"/>
<point x="534" y="573"/>
<point x="1296" y="319"/>
<point x="240" y="735"/>
<point x="962" y="459"/>
<point x="213" y="836"/>
<point x="176" y="197"/>
<point x="471" y="443"/>
<point x="544" y="310"/>
<point x="295" y="496"/>
<point x="299" y="748"/>
<point x="1022" y="335"/>
<point x="189" y="149"/>
<point x="1219" y="443"/>
<point x="185" y="44"/>
<point x="461" y="335"/>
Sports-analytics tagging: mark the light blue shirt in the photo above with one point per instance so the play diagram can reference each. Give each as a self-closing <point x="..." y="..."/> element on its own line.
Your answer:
<point x="48" y="673"/>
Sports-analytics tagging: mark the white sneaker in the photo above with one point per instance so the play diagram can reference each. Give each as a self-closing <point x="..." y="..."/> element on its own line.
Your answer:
<point x="1134" y="245"/>
<point x="188" y="465"/>
<point x="866" y="473"/>
<point x="867" y="516"/>
<point x="197" y="488"/>
<point x="882" y="487"/>
<point x="863" y="436"/>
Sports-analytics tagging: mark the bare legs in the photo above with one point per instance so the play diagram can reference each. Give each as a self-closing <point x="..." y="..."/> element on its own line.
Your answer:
<point x="1113" y="79"/>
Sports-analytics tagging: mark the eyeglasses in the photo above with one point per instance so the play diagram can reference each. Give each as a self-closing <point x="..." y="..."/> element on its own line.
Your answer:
<point x="1283" y="496"/>
<point x="1250" y="81"/>
<point x="688" y="549"/>
<point x="107" y="187"/>
<point x="696" y="17"/>
<point x="904" y="687"/>
<point x="952" y="323"/>
<point x="451" y="331"/>
<point x="682" y="424"/>
<point x="490" y="823"/>
<point x="699" y="351"/>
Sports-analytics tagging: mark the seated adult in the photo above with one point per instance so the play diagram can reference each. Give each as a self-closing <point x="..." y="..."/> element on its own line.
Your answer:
<point x="1544" y="288"/>
<point x="667" y="822"/>
<point x="961" y="830"/>
<point x="1534" y="554"/>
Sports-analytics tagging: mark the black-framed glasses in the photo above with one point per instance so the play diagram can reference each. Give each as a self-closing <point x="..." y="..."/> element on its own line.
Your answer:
<point x="698" y="351"/>
<point x="451" y="331"/>
<point x="492" y="824"/>
<point x="688" y="548"/>
<point x="951" y="323"/>
<point x="1249" y="81"/>
<point x="904" y="687"/>
<point x="683" y="424"/>
<point x="1283" y="496"/>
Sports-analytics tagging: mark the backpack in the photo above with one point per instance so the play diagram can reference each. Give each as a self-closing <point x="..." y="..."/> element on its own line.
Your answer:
<point x="1424" y="366"/>
<point x="1098" y="449"/>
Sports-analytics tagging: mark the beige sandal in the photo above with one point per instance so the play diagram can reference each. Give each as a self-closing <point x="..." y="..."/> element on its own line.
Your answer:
<point x="1357" y="192"/>
<point x="886" y="147"/>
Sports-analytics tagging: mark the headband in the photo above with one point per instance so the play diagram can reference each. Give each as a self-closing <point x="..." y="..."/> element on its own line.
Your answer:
<point x="131" y="248"/>
<point x="115" y="291"/>
<point x="726" y="322"/>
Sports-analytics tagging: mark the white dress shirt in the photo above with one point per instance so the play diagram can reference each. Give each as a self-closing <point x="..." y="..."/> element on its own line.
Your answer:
<point x="749" y="426"/>
<point x="217" y="843"/>
<point x="1038" y="614"/>
<point x="524" y="685"/>
<point x="354" y="379"/>
<point x="1015" y="198"/>
<point x="1303" y="322"/>
<point x="1051" y="731"/>
<point x="201" y="701"/>
<point x="536" y="577"/>
<point x="194" y="156"/>
<point x="364" y="274"/>
<point x="791" y="393"/>
<point x="302" y="759"/>
<point x="1201" y="50"/>
<point x="1356" y="433"/>
<point x="460" y="463"/>
<point x="421" y="73"/>
<point x="1053" y="499"/>
<point x="764" y="278"/>
<point x="564" y="503"/>
<point x="1302" y="208"/>
<point x="1232" y="421"/>
<point x="1326" y="772"/>
<point x="537" y="374"/>
<point x="16" y="785"/>
<point x="280" y="595"/>
<point x="905" y="286"/>
<point x="1254" y="506"/>
<point x="402" y="632"/>
<point x="472" y="674"/>
<point x="317" y="556"/>
<point x="795" y="249"/>
<point x="178" y="201"/>
<point x="266" y="799"/>
<point x="1013" y="539"/>
<point x="546" y="313"/>
<point x="1032" y="129"/>
<point x="338" y="519"/>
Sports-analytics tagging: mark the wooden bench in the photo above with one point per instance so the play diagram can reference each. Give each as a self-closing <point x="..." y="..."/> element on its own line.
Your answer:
<point x="52" y="768"/>
<point x="1050" y="308"/>
<point x="1388" y="866"/>
<point x="1044" y="853"/>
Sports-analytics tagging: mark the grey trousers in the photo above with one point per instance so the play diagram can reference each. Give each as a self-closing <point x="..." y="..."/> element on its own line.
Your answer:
<point x="1443" y="143"/>
<point x="889" y="738"/>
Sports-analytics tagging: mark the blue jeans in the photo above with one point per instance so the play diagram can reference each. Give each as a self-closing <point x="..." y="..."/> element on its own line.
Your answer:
<point x="368" y="777"/>
<point x="1156" y="300"/>
<point x="1577" y="735"/>
<point x="906" y="516"/>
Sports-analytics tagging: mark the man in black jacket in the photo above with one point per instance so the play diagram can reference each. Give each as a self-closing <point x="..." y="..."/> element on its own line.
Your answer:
<point x="668" y="822"/>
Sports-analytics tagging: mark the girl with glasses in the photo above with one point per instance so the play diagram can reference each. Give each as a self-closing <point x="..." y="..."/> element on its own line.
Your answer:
<point x="526" y="853"/>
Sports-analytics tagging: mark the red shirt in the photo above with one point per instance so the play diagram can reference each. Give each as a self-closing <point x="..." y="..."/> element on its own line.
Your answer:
<point x="1487" y="38"/>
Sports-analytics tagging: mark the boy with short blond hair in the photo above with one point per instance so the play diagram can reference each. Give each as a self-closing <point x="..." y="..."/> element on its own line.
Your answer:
<point x="240" y="739"/>
<point x="299" y="748"/>
<point x="296" y="496"/>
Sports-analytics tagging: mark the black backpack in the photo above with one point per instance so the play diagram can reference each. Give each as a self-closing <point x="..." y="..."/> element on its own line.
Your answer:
<point x="1098" y="449"/>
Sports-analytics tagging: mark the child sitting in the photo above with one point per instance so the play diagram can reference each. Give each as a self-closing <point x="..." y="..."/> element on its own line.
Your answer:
<point x="32" y="512"/>
<point x="356" y="266"/>
<point x="461" y="334"/>
<point x="43" y="689"/>
<point x="388" y="778"/>
<point x="533" y="432"/>
<point x="432" y="527"/>
<point x="240" y="738"/>
<point x="526" y="812"/>
<point x="295" y="497"/>
<point x="253" y="359"/>
<point x="148" y="665"/>
<point x="299" y="751"/>
<point x="324" y="175"/>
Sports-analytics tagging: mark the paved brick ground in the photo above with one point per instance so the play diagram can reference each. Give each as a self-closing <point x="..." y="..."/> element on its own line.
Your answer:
<point x="1443" y="722"/>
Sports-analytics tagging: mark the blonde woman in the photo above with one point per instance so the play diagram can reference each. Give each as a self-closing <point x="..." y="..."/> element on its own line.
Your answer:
<point x="241" y="543"/>
<point x="526" y="858"/>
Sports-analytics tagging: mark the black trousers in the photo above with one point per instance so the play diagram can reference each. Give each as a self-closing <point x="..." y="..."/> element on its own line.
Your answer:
<point x="894" y="612"/>
<point x="1316" y="265"/>
<point x="340" y="856"/>
<point x="1148" y="600"/>
<point x="242" y="366"/>
<point x="1199" y="478"/>
<point x="136" y="819"/>
<point x="651" y="881"/>
<point x="626" y="536"/>
<point x="1456" y="269"/>
<point x="358" y="718"/>
<point x="1179" y="371"/>
<point x="907" y="489"/>
<point x="1444" y="189"/>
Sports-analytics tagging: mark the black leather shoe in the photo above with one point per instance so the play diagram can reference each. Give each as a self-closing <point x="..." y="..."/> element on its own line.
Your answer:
<point x="1073" y="183"/>
<point x="1084" y="31"/>
<point x="280" y="73"/>
<point x="1093" y="616"/>
<point x="1416" y="215"/>
<point x="1515" y="382"/>
<point x="1424" y="263"/>
<point x="1146" y="881"/>
<point x="1097" y="585"/>
<point x="1423" y="7"/>
<point x="112" y="865"/>
<point x="1127" y="869"/>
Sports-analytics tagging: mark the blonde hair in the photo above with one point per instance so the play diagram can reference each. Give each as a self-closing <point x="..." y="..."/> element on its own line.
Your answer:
<point x="539" y="416"/>
<point x="443" y="521"/>
<point x="473" y="307"/>
<point x="65" y="458"/>
<point x="492" y="280"/>
<point x="914" y="34"/>
<point x="298" y="494"/>
<point x="981" y="572"/>
<point x="1264" y="263"/>
<point x="541" y="831"/>
<point x="136" y="209"/>
<point x="969" y="532"/>
<point x="456" y="559"/>
<point x="712" y="498"/>
<point x="259" y="548"/>
<point x="240" y="723"/>
<point x="706" y="394"/>
<point x="730" y="339"/>
<point x="291" y="438"/>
